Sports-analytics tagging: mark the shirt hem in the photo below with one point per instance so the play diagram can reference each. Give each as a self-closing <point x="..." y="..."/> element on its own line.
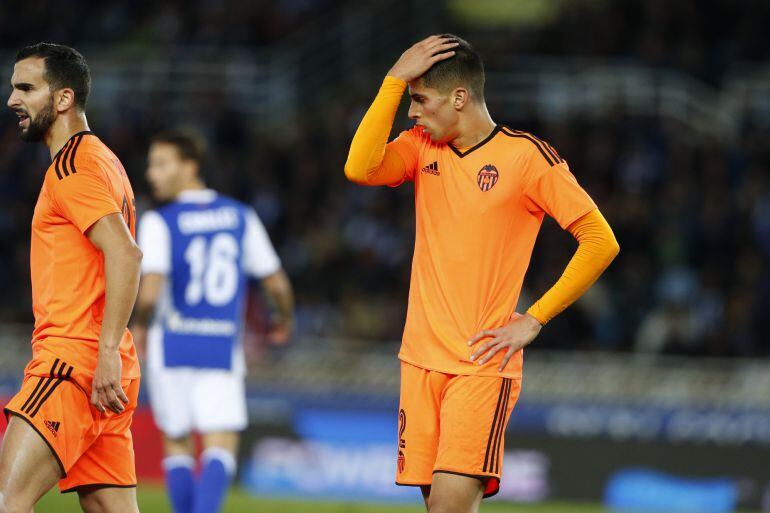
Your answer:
<point x="456" y="372"/>
<point x="79" y="369"/>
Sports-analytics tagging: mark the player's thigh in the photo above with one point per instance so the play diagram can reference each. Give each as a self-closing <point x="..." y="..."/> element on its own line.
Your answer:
<point x="96" y="499"/>
<point x="171" y="400"/>
<point x="452" y="493"/>
<point x="28" y="467"/>
<point x="219" y="402"/>
<point x="474" y="414"/>
<point x="418" y="424"/>
<point x="109" y="460"/>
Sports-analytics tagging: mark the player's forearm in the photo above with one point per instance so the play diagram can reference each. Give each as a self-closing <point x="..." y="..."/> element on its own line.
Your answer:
<point x="279" y="291"/>
<point x="596" y="249"/>
<point x="121" y="271"/>
<point x="366" y="162"/>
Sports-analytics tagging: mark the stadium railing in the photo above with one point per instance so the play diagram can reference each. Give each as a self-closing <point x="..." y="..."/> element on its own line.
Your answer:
<point x="329" y="365"/>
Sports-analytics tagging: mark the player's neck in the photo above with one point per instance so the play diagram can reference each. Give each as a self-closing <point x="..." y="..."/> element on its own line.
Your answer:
<point x="63" y="129"/>
<point x="195" y="185"/>
<point x="474" y="128"/>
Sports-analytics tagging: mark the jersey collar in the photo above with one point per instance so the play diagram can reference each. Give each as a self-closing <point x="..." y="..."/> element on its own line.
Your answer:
<point x="196" y="196"/>
<point x="461" y="154"/>
<point x="82" y="132"/>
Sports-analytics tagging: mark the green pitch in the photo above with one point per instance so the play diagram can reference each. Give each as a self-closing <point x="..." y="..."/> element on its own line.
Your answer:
<point x="153" y="500"/>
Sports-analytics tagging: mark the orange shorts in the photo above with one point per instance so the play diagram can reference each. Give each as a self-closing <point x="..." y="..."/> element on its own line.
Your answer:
<point x="92" y="448"/>
<point x="454" y="424"/>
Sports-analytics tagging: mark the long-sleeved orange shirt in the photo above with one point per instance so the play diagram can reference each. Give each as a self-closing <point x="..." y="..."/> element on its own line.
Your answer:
<point x="478" y="212"/>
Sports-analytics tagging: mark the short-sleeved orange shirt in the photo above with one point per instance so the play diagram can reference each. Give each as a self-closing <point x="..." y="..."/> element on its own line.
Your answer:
<point x="84" y="183"/>
<point x="478" y="213"/>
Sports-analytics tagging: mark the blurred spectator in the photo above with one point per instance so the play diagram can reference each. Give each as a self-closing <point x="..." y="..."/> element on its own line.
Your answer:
<point x="692" y="216"/>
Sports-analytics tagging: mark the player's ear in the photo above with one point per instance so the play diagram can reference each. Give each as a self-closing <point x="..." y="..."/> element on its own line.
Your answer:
<point x="64" y="99"/>
<point x="460" y="97"/>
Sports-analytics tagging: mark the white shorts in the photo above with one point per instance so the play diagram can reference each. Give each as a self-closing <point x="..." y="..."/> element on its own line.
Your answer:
<point x="203" y="400"/>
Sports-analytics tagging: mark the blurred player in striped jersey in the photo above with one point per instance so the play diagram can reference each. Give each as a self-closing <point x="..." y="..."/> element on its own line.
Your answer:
<point x="481" y="192"/>
<point x="200" y="249"/>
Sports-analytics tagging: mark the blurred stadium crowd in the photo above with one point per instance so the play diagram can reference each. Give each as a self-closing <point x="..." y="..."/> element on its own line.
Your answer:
<point x="691" y="213"/>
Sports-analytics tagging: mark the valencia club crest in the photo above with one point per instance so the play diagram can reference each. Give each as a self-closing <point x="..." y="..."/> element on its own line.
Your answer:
<point x="487" y="177"/>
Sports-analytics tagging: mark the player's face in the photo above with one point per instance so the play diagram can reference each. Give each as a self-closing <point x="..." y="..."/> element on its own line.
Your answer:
<point x="432" y="110"/>
<point x="31" y="99"/>
<point x="165" y="171"/>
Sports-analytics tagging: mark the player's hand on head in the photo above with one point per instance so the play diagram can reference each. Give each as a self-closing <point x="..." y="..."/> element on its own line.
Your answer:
<point x="519" y="332"/>
<point x="418" y="59"/>
<point x="106" y="392"/>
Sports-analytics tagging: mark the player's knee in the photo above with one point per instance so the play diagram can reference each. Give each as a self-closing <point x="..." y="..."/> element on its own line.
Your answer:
<point x="181" y="445"/>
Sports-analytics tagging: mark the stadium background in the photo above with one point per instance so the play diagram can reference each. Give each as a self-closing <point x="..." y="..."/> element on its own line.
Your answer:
<point x="653" y="391"/>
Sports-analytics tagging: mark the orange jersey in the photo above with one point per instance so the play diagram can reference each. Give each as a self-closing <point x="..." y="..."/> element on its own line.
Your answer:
<point x="84" y="183"/>
<point x="478" y="213"/>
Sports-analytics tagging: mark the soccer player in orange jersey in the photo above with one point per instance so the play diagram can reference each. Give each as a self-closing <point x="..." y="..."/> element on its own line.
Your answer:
<point x="481" y="191"/>
<point x="70" y="421"/>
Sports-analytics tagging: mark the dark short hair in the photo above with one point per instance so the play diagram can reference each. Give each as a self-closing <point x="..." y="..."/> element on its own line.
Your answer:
<point x="190" y="144"/>
<point x="465" y="68"/>
<point x="64" y="67"/>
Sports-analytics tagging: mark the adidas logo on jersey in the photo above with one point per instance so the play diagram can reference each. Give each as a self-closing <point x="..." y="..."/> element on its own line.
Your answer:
<point x="53" y="427"/>
<point x="431" y="169"/>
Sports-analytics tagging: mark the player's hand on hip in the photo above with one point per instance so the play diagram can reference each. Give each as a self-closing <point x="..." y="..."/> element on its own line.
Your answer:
<point x="418" y="59"/>
<point x="520" y="331"/>
<point x="106" y="391"/>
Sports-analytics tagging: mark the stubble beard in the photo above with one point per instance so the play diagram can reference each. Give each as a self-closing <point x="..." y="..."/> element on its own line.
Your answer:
<point x="39" y="126"/>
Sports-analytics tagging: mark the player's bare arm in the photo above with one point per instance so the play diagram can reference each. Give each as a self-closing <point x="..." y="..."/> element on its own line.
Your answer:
<point x="418" y="59"/>
<point x="150" y="288"/>
<point x="122" y="259"/>
<point x="278" y="289"/>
